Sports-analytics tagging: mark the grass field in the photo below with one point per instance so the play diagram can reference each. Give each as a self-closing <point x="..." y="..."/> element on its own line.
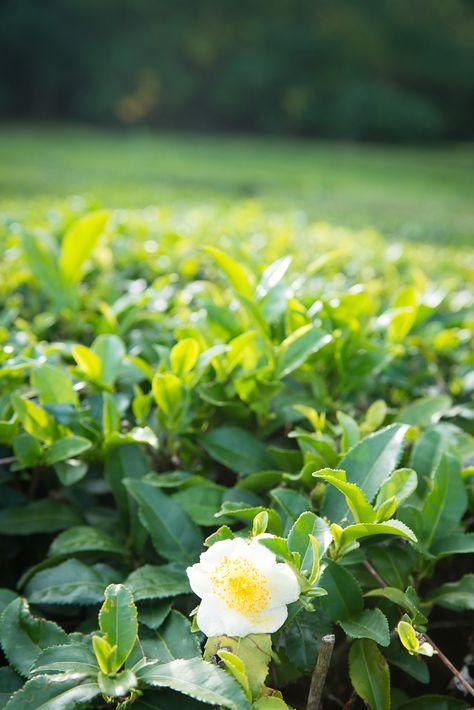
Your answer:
<point x="414" y="194"/>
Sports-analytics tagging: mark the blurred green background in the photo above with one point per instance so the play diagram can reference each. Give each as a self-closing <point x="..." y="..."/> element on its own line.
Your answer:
<point x="359" y="114"/>
<point x="367" y="69"/>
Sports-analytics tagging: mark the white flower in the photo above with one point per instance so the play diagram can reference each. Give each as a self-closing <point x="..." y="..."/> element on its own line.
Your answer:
<point x="244" y="590"/>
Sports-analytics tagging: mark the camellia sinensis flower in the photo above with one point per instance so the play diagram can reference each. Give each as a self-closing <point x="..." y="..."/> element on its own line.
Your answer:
<point x="243" y="589"/>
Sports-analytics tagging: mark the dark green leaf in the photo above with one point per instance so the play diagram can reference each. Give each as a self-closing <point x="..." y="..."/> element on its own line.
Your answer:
<point x="117" y="686"/>
<point x="152" y="613"/>
<point x="172" y="640"/>
<point x="57" y="692"/>
<point x="368" y="465"/>
<point x="236" y="449"/>
<point x="445" y="504"/>
<point x="454" y="595"/>
<point x="425" y="411"/>
<point x="157" y="582"/>
<point x="433" y="702"/>
<point x="126" y="461"/>
<point x="9" y="683"/>
<point x="70" y="658"/>
<point x="43" y="516"/>
<point x="173" y="534"/>
<point x="370" y="624"/>
<point x="200" y="680"/>
<point x="369" y="674"/>
<point x="23" y="636"/>
<point x="85" y="538"/>
<point x="71" y="582"/>
<point x="66" y="448"/>
<point x="344" y="598"/>
<point x="201" y="503"/>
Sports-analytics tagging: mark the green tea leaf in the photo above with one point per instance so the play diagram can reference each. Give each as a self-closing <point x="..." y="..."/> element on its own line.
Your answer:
<point x="404" y="314"/>
<point x="445" y="504"/>
<point x="111" y="352"/>
<point x="41" y="253"/>
<point x="454" y="595"/>
<point x="255" y="651"/>
<point x="66" y="448"/>
<point x="236" y="667"/>
<point x="68" y="658"/>
<point x="156" y="582"/>
<point x="355" y="499"/>
<point x="184" y="356"/>
<point x="66" y="690"/>
<point x="174" y="639"/>
<point x="296" y="349"/>
<point x="201" y="502"/>
<point x="200" y="680"/>
<point x="369" y="674"/>
<point x="344" y="595"/>
<point x="27" y="449"/>
<point x="401" y="484"/>
<point x="85" y="538"/>
<point x="299" y="541"/>
<point x="23" y="636"/>
<point x="368" y="465"/>
<point x="118" y="621"/>
<point x="78" y="244"/>
<point x="237" y="449"/>
<point x="425" y="411"/>
<point x="455" y="544"/>
<point x="53" y="385"/>
<point x="173" y="534"/>
<point x="9" y="683"/>
<point x="70" y="582"/>
<point x="168" y="392"/>
<point x="88" y="361"/>
<point x="370" y="624"/>
<point x="389" y="527"/>
<point x="127" y="461"/>
<point x="117" y="686"/>
<point x="41" y="516"/>
<point x="235" y="272"/>
<point x="35" y="420"/>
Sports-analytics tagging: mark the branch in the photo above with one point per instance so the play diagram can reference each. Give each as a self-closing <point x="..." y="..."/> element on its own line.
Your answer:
<point x="444" y="659"/>
<point x="7" y="460"/>
<point x="318" y="679"/>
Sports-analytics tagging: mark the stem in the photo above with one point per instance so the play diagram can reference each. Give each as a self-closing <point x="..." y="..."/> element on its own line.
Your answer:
<point x="7" y="460"/>
<point x="449" y="665"/>
<point x="444" y="659"/>
<point x="318" y="679"/>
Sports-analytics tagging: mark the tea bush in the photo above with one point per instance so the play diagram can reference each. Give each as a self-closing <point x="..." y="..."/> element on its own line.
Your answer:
<point x="175" y="379"/>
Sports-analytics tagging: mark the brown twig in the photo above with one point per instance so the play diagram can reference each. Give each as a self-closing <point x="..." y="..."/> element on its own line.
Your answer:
<point x="318" y="679"/>
<point x="7" y="460"/>
<point x="444" y="659"/>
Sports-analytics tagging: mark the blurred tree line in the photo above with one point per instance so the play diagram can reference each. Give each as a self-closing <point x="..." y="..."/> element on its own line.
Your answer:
<point x="358" y="69"/>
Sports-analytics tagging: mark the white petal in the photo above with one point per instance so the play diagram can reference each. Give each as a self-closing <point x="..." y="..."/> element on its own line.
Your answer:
<point x="224" y="548"/>
<point x="261" y="556"/>
<point x="283" y="585"/>
<point x="199" y="580"/>
<point x="214" y="618"/>
<point x="270" y="620"/>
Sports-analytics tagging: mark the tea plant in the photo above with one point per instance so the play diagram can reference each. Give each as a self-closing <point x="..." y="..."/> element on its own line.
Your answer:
<point x="247" y="454"/>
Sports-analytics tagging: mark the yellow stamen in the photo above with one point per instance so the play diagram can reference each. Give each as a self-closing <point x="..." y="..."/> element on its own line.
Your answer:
<point x="241" y="585"/>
